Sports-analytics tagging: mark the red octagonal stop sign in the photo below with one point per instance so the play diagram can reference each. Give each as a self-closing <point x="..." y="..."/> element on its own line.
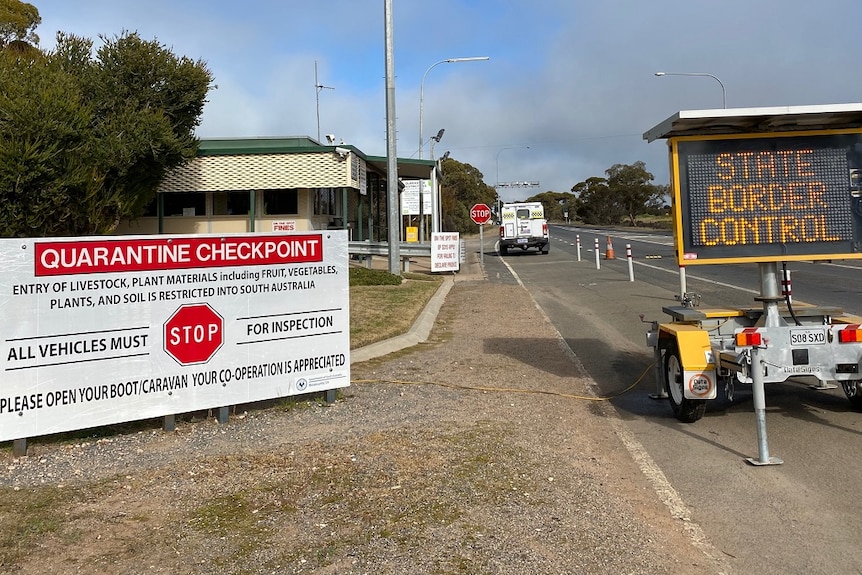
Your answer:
<point x="480" y="214"/>
<point x="193" y="334"/>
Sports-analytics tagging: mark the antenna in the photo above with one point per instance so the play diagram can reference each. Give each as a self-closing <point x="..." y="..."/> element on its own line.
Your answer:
<point x="317" y="88"/>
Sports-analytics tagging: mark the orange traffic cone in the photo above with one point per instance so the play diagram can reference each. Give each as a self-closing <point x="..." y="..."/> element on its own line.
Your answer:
<point x="609" y="252"/>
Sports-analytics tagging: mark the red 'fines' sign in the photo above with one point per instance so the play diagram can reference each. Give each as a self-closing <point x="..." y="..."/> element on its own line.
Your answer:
<point x="104" y="256"/>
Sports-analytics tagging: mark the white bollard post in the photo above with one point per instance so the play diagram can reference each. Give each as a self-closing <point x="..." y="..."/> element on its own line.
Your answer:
<point x="682" y="286"/>
<point x="578" y="242"/>
<point x="598" y="265"/>
<point x="786" y="288"/>
<point x="631" y="265"/>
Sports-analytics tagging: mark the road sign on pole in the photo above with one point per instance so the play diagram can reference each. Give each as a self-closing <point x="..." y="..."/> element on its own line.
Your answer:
<point x="480" y="214"/>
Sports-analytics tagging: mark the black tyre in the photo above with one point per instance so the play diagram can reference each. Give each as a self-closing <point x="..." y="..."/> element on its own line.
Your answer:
<point x="545" y="248"/>
<point x="853" y="391"/>
<point x="685" y="410"/>
<point x="504" y="250"/>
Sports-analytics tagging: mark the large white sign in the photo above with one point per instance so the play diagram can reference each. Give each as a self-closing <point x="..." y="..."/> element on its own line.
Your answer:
<point x="445" y="252"/>
<point x="410" y="195"/>
<point x="111" y="329"/>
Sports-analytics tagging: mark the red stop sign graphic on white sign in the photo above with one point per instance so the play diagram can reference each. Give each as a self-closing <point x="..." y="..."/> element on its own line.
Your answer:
<point x="480" y="214"/>
<point x="193" y="334"/>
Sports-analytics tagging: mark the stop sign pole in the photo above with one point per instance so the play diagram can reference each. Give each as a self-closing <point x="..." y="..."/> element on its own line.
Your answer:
<point x="480" y="214"/>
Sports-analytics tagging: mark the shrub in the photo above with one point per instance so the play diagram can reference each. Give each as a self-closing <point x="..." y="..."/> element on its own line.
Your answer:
<point x="366" y="277"/>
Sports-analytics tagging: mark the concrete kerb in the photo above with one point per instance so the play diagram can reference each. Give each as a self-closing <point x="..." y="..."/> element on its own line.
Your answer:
<point x="471" y="270"/>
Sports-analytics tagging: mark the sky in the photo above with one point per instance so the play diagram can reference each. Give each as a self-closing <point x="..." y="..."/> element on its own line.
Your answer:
<point x="567" y="92"/>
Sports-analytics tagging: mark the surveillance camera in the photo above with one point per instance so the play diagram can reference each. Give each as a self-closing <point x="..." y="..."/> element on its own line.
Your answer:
<point x="342" y="152"/>
<point x="330" y="138"/>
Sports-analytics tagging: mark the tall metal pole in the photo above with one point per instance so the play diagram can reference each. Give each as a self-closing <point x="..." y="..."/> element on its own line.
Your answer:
<point x="317" y="88"/>
<point x="422" y="88"/>
<point x="393" y="210"/>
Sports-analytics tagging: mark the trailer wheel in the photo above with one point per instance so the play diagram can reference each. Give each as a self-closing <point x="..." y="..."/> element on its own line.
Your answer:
<point x="685" y="410"/>
<point x="853" y="391"/>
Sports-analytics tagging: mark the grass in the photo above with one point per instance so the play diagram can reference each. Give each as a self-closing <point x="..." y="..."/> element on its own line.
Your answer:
<point x="383" y="305"/>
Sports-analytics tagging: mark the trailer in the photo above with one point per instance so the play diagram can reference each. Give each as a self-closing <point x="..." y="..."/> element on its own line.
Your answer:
<point x="764" y="186"/>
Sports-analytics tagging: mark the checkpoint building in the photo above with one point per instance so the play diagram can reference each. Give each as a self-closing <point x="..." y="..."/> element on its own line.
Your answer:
<point x="293" y="183"/>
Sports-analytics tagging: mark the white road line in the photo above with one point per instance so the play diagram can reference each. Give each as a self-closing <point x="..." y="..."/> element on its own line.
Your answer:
<point x="653" y="473"/>
<point x="689" y="276"/>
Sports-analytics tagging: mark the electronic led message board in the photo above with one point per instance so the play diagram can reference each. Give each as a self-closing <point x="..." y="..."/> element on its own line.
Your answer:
<point x="763" y="198"/>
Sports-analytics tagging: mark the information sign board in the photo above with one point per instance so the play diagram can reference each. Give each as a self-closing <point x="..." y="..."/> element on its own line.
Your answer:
<point x="112" y="329"/>
<point x="444" y="252"/>
<point x="767" y="197"/>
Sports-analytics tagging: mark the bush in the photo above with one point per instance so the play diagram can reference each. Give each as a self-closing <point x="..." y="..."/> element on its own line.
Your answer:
<point x="366" y="277"/>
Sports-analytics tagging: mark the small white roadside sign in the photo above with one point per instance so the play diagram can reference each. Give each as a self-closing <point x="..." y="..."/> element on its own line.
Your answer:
<point x="445" y="252"/>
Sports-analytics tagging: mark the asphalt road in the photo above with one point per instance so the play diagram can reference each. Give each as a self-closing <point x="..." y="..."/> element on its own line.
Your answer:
<point x="800" y="517"/>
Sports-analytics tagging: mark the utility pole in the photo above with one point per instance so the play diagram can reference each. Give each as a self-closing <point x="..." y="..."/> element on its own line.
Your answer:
<point x="317" y="88"/>
<point x="393" y="212"/>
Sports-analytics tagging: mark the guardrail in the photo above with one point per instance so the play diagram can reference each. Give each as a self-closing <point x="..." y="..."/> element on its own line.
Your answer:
<point x="406" y="250"/>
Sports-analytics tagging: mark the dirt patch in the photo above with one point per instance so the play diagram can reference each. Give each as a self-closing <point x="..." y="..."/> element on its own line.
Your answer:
<point x="480" y="451"/>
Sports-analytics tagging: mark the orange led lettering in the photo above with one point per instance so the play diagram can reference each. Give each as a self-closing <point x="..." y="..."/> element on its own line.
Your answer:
<point x="765" y="165"/>
<point x="756" y="192"/>
<point x="708" y="233"/>
<point x="816" y="190"/>
<point x="746" y="158"/>
<point x="715" y="198"/>
<point x="785" y="161"/>
<point x="750" y="226"/>
<point x="801" y="164"/>
<point x="776" y="197"/>
<point x="725" y="162"/>
<point x="796" y="197"/>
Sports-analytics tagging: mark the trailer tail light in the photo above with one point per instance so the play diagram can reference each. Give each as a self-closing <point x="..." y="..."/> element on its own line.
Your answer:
<point x="748" y="336"/>
<point x="850" y="334"/>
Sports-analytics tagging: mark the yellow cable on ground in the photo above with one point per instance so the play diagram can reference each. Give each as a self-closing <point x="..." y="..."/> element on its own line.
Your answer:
<point x="509" y="389"/>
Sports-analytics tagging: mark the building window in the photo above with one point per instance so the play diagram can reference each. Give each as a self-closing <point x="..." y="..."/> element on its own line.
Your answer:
<point x="185" y="203"/>
<point x="324" y="202"/>
<point x="231" y="203"/>
<point x="281" y="202"/>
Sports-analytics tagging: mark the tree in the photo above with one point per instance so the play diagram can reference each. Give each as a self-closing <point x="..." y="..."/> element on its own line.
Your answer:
<point x="462" y="187"/>
<point x="555" y="204"/>
<point x="630" y="185"/>
<point x="597" y="204"/>
<point x="87" y="139"/>
<point x="18" y="21"/>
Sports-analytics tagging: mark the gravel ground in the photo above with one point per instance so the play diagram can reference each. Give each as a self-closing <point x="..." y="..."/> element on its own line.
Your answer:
<point x="478" y="452"/>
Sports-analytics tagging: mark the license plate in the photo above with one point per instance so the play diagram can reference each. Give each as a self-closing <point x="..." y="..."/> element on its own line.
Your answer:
<point x="522" y="240"/>
<point x="812" y="336"/>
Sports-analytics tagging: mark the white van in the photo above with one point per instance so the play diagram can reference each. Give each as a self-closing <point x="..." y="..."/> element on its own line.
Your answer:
<point x="523" y="225"/>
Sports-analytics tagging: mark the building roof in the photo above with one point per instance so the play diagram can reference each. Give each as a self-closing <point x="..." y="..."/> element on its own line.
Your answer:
<point x="408" y="168"/>
<point x="755" y="120"/>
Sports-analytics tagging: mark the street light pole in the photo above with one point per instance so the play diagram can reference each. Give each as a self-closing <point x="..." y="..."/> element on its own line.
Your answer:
<point x="422" y="88"/>
<point x="720" y="83"/>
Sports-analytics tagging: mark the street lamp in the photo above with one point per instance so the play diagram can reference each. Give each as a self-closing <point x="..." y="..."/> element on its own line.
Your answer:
<point x="437" y="139"/>
<point x="422" y="88"/>
<point x="723" y="92"/>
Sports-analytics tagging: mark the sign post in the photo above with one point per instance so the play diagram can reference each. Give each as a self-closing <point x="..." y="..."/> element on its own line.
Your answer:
<point x="481" y="214"/>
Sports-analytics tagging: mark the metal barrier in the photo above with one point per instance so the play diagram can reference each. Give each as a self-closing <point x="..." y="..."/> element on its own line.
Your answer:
<point x="365" y="250"/>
